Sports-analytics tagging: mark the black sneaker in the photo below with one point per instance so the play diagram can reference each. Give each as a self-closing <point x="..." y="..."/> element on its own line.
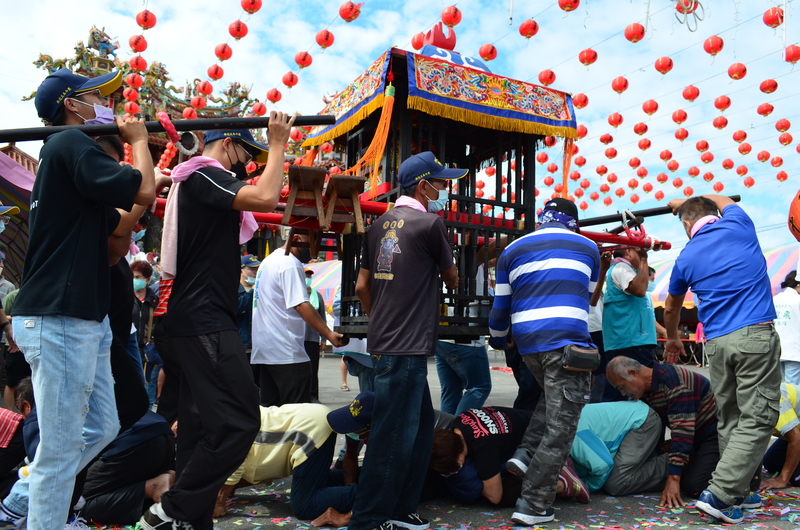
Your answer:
<point x="155" y="518"/>
<point x="519" y="462"/>
<point x="388" y="525"/>
<point x="411" y="521"/>
<point x="524" y="514"/>
<point x="10" y="520"/>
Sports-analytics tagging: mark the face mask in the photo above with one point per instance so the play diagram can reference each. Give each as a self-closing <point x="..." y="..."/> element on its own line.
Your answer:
<point x="250" y="281"/>
<point x="139" y="284"/>
<point x="308" y="282"/>
<point x="137" y="236"/>
<point x="651" y="287"/>
<point x="102" y="115"/>
<point x="2" y="226"/>
<point x="439" y="203"/>
<point x="238" y="167"/>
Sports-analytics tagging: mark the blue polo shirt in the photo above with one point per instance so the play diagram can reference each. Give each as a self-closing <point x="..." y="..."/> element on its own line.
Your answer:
<point x="724" y="266"/>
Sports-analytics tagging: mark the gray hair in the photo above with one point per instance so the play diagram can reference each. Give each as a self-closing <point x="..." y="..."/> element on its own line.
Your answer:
<point x="620" y="366"/>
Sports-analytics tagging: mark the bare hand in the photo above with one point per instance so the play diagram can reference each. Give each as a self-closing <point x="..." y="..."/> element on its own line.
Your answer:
<point x="774" y="484"/>
<point x="510" y="344"/>
<point x="675" y="204"/>
<point x="12" y="346"/>
<point x="336" y="339"/>
<point x="673" y="350"/>
<point x="322" y="346"/>
<point x="605" y="261"/>
<point x="132" y="129"/>
<point x="671" y="496"/>
<point x="279" y="129"/>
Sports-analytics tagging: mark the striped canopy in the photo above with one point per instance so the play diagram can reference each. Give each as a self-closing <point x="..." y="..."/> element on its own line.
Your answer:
<point x="780" y="261"/>
<point x="326" y="279"/>
<point x="15" y="190"/>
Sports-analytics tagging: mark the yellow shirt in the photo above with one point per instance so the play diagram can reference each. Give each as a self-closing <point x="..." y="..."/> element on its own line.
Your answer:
<point x="788" y="418"/>
<point x="288" y="436"/>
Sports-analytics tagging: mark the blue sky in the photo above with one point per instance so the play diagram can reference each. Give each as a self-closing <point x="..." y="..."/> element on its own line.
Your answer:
<point x="186" y="34"/>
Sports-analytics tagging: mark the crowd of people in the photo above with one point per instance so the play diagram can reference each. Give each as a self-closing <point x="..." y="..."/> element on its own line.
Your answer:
<point x="150" y="390"/>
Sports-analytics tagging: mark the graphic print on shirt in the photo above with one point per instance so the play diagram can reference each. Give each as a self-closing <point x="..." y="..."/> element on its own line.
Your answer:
<point x="390" y="245"/>
<point x="485" y="422"/>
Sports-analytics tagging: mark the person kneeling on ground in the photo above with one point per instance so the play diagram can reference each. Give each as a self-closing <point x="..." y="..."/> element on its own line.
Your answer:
<point x="299" y="440"/>
<point x="783" y="456"/>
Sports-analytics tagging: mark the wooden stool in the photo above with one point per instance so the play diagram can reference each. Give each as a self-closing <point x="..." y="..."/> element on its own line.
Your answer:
<point x="305" y="183"/>
<point x="344" y="190"/>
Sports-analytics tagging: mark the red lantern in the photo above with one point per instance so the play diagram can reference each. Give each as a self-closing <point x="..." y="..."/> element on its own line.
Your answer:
<point x="688" y="191"/>
<point x="542" y="158"/>
<point x="546" y="77"/>
<point x="576" y="176"/>
<point x="580" y="100"/>
<point x="138" y="43"/>
<point x="640" y="128"/>
<point x="611" y="178"/>
<point x="130" y="94"/>
<point x="773" y="17"/>
<point x="549" y="141"/>
<point x="548" y="181"/>
<point x="634" y="198"/>
<point x="349" y="11"/>
<point x="739" y="136"/>
<point x="611" y="153"/>
<point x="274" y="95"/>
<point x="693" y="171"/>
<point x="604" y="188"/>
<point x="782" y="176"/>
<point x="749" y="182"/>
<point x="681" y="134"/>
<point x="259" y="109"/>
<point x="677" y="182"/>
<point x="679" y="116"/>
<point x="606" y="139"/>
<point x="701" y="146"/>
<point x="686" y="7"/>
<point x="324" y="38"/>
<point x="569" y="5"/>
<point x="662" y="178"/>
<point x="741" y="171"/>
<point x="620" y="193"/>
<point x="722" y="103"/>
<point x="768" y="86"/>
<point x="634" y="162"/>
<point x="528" y="28"/>
<point x="579" y="193"/>
<point x="673" y="165"/>
<point x="204" y="87"/>
<point x="146" y="19"/>
<point x="776" y="161"/>
<point x="289" y="79"/>
<point x="607" y="201"/>
<point x="488" y="52"/>
<point x="718" y="187"/>
<point x="579" y="161"/>
<point x="641" y="172"/>
<point x="132" y="107"/>
<point x="189" y="113"/>
<point x="552" y="168"/>
<point x="707" y="158"/>
<point x="765" y="109"/>
<point x="594" y="195"/>
<point x="138" y="63"/>
<point x="303" y="59"/>
<point x="223" y="52"/>
<point x="665" y="155"/>
<point x="720" y="122"/>
<point x="650" y="107"/>
<point x="583" y="206"/>
<point x="587" y="56"/>
<point x="601" y="170"/>
<point x="691" y="93"/>
<point x="615" y="120"/>
<point x="619" y="85"/>
<point x="581" y="131"/>
<point x="134" y="80"/>
<point x="237" y="29"/>
<point x="745" y="148"/>
<point x="791" y="54"/>
<point x="713" y="45"/>
<point x="785" y="139"/>
<point x="727" y="163"/>
<point x="737" y="71"/>
<point x="585" y="184"/>
<point x="647" y="187"/>
<point x="659" y="195"/>
<point x="451" y="16"/>
<point x="480" y="184"/>
<point x="326" y="148"/>
<point x="490" y="171"/>
<point x="296" y="135"/>
<point x="198" y="102"/>
<point x="251" y="6"/>
<point x="763" y="156"/>
<point x="418" y="41"/>
<point x="782" y="125"/>
<point x="644" y="144"/>
<point x="215" y="72"/>
<point x="664" y="64"/>
<point x="634" y="32"/>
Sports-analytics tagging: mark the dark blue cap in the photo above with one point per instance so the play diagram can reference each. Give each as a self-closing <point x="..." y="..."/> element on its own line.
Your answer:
<point x="424" y="166"/>
<point x="250" y="261"/>
<point x="355" y="416"/>
<point x="244" y="136"/>
<point x="65" y="84"/>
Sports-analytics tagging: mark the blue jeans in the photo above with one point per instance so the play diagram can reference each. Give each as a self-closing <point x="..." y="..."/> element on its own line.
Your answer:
<point x="400" y="442"/>
<point x="365" y="375"/>
<point x="152" y="384"/>
<point x="74" y="390"/>
<point x="312" y="493"/>
<point x="136" y="356"/>
<point x="464" y="375"/>
<point x="790" y="370"/>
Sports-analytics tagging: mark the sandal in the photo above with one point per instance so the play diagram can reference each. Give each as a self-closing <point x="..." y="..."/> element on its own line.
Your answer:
<point x="344" y="388"/>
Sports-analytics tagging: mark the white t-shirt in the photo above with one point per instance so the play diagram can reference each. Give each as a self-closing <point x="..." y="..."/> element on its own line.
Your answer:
<point x="278" y="328"/>
<point x="596" y="315"/>
<point x="787" y="307"/>
<point x="622" y="276"/>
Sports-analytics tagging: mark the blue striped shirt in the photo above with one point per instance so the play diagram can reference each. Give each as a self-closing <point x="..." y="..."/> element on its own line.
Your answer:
<point x="544" y="283"/>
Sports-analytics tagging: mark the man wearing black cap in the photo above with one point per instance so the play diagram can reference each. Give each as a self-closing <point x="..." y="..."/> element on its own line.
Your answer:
<point x="61" y="322"/>
<point x="404" y="254"/>
<point x="206" y="219"/>
<point x="544" y="282"/>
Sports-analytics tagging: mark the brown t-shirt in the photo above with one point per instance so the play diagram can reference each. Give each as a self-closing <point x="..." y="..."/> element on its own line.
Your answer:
<point x="405" y="250"/>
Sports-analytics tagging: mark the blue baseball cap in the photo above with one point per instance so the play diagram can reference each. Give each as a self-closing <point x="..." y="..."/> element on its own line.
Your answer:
<point x="424" y="166"/>
<point x="243" y="135"/>
<point x="65" y="84"/>
<point x="250" y="261"/>
<point x="355" y="416"/>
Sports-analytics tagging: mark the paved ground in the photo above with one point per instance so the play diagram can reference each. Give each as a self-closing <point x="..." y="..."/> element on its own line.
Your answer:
<point x="267" y="506"/>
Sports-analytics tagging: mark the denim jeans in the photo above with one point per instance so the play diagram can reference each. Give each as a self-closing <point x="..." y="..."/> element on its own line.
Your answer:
<point x="400" y="442"/>
<point x="464" y="375"/>
<point x="74" y="390"/>
<point x="312" y="493"/>
<point x="365" y="375"/>
<point x="136" y="356"/>
<point x="152" y="384"/>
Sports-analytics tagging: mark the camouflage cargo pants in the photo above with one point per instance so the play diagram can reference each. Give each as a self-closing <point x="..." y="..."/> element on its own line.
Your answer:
<point x="553" y="425"/>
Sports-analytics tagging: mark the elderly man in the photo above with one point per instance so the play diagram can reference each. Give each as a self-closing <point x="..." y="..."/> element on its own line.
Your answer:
<point x="685" y="404"/>
<point x="544" y="282"/>
<point x="723" y="265"/>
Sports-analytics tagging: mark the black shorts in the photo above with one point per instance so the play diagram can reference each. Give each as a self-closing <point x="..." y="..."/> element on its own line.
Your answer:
<point x="17" y="368"/>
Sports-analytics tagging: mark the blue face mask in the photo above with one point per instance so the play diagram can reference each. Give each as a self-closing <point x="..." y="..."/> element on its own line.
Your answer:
<point x="102" y="115"/>
<point x="308" y="282"/>
<point x="139" y="284"/>
<point x="137" y="236"/>
<point x="2" y="226"/>
<point x="651" y="287"/>
<point x="250" y="281"/>
<point x="439" y="203"/>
